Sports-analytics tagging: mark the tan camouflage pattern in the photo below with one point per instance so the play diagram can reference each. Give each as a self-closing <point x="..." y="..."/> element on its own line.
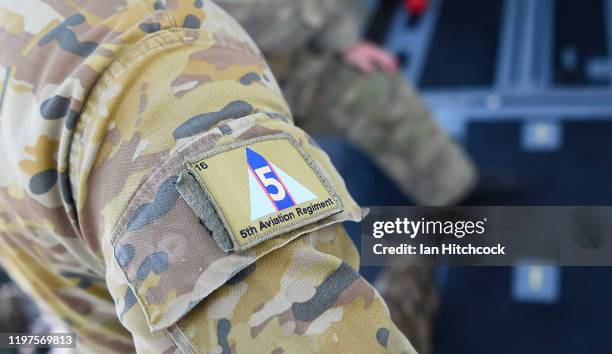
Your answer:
<point x="411" y="296"/>
<point x="328" y="308"/>
<point x="382" y="114"/>
<point x="100" y="104"/>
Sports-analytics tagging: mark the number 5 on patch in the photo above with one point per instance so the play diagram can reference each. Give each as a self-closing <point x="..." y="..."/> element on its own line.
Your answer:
<point x="269" y="180"/>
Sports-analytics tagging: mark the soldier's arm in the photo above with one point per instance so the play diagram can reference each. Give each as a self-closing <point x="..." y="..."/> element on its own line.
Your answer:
<point x="342" y="28"/>
<point x="184" y="146"/>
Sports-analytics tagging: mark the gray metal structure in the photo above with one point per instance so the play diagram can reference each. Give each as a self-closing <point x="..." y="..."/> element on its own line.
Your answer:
<point x="523" y="87"/>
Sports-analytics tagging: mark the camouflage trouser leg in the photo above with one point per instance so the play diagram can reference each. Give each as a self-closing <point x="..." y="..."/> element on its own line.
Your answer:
<point x="385" y="117"/>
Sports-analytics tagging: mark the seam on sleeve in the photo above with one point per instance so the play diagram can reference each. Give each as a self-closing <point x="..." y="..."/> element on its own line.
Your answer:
<point x="136" y="53"/>
<point x="180" y="339"/>
<point x="82" y="115"/>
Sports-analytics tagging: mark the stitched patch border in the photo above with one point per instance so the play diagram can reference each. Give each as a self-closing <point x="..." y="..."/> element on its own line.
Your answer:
<point x="336" y="208"/>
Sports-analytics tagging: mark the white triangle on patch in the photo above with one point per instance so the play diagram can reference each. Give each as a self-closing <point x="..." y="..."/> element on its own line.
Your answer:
<point x="261" y="205"/>
<point x="299" y="193"/>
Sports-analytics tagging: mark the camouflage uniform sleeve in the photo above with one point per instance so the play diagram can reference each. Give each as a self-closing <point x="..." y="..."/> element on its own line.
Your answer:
<point x="342" y="28"/>
<point x="196" y="85"/>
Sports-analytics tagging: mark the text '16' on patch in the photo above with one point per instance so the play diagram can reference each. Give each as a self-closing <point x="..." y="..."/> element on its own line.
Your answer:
<point x="263" y="187"/>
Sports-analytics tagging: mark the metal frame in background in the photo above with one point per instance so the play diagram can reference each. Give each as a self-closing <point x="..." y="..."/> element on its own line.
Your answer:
<point x="522" y="87"/>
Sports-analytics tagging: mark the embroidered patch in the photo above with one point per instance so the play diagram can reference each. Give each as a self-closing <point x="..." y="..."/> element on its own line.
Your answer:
<point x="259" y="188"/>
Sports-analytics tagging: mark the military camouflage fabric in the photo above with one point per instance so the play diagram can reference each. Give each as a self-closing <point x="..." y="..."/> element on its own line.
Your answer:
<point x="410" y="293"/>
<point x="101" y="103"/>
<point x="281" y="26"/>
<point x="380" y="113"/>
<point x="385" y="117"/>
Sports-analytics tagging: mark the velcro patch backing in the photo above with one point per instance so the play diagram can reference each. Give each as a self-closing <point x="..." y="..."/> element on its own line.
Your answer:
<point x="259" y="188"/>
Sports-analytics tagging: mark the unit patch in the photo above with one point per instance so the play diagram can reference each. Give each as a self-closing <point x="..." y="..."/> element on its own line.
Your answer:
<point x="259" y="188"/>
